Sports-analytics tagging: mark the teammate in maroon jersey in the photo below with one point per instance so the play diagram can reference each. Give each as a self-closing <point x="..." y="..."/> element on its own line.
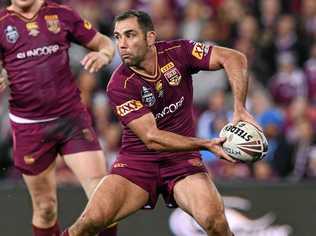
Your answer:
<point x="151" y="94"/>
<point x="46" y="112"/>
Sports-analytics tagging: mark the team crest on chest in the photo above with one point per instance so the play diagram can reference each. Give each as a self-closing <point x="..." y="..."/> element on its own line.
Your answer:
<point x="53" y="23"/>
<point x="11" y="34"/>
<point x="172" y="74"/>
<point x="32" y="28"/>
<point x="148" y="97"/>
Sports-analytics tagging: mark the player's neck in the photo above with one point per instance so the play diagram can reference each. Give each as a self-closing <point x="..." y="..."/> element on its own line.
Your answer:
<point x="27" y="12"/>
<point x="149" y="64"/>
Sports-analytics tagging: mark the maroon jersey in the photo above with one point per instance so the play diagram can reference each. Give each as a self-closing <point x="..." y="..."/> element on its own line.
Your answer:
<point x="167" y="94"/>
<point x="35" y="55"/>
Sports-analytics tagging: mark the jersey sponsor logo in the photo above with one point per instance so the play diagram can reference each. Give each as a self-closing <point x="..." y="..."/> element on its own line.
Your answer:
<point x="87" y="25"/>
<point x="167" y="67"/>
<point x="11" y="34"/>
<point x="42" y="51"/>
<point x="33" y="28"/>
<point x="199" y="50"/>
<point x="172" y="108"/>
<point x="128" y="107"/>
<point x="148" y="97"/>
<point x="53" y="23"/>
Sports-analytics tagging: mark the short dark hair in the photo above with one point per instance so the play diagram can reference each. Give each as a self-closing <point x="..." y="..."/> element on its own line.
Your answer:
<point x="143" y="19"/>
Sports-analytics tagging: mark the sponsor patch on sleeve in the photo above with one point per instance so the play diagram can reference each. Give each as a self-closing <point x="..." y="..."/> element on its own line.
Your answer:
<point x="199" y="50"/>
<point x="128" y="107"/>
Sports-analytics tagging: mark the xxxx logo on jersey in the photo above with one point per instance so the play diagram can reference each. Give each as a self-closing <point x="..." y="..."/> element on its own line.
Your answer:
<point x="127" y="107"/>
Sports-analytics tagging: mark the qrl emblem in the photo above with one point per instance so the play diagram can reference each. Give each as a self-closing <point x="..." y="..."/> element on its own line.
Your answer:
<point x="11" y="34"/>
<point x="53" y="24"/>
<point x="173" y="76"/>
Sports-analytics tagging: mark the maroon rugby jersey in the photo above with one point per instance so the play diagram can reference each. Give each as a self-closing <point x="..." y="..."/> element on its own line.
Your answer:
<point x="168" y="95"/>
<point x="35" y="54"/>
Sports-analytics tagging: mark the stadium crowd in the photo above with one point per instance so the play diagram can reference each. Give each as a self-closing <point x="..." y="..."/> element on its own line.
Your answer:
<point x="279" y="39"/>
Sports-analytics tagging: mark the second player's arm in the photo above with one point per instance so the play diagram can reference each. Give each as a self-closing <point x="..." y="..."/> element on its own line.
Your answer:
<point x="102" y="53"/>
<point x="160" y="140"/>
<point x="3" y="78"/>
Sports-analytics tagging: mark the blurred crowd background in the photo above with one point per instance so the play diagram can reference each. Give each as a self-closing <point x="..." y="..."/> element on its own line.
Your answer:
<point x="279" y="39"/>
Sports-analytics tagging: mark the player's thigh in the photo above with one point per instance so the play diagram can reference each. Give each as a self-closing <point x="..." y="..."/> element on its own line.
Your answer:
<point x="197" y="195"/>
<point x="88" y="166"/>
<point x="114" y="198"/>
<point x="42" y="187"/>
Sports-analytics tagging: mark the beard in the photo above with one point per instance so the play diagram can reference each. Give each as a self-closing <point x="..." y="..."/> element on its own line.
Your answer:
<point x="133" y="61"/>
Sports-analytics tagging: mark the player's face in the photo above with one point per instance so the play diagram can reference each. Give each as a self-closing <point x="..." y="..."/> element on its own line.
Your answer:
<point x="131" y="41"/>
<point x="23" y="4"/>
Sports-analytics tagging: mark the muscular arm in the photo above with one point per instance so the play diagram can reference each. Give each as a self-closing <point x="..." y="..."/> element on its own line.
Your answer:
<point x="235" y="65"/>
<point x="101" y="55"/>
<point x="155" y="139"/>
<point x="103" y="44"/>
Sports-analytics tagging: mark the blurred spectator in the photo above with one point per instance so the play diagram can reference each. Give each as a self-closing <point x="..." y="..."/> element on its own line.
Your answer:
<point x="230" y="13"/>
<point x="298" y="110"/>
<point x="303" y="157"/>
<point x="310" y="70"/>
<point x="213" y="120"/>
<point x="278" y="161"/>
<point x="308" y="15"/>
<point x="287" y="39"/>
<point x="289" y="82"/>
<point x="5" y="136"/>
<point x="195" y="13"/>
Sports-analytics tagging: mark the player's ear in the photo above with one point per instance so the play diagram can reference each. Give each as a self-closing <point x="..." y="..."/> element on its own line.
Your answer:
<point x="151" y="38"/>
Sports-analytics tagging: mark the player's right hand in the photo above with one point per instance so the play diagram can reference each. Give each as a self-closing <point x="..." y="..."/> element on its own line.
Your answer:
<point x="215" y="146"/>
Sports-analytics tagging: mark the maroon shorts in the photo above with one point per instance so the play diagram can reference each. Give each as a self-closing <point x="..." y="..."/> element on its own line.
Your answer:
<point x="35" y="146"/>
<point x="157" y="177"/>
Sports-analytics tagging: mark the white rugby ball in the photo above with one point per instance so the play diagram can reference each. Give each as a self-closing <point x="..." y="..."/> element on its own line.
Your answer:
<point x="244" y="142"/>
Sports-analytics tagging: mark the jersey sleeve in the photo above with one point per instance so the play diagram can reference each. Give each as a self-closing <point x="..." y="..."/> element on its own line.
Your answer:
<point x="81" y="30"/>
<point x="197" y="55"/>
<point x="126" y="105"/>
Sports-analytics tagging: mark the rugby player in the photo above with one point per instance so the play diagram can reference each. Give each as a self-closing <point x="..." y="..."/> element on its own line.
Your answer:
<point x="46" y="112"/>
<point x="151" y="94"/>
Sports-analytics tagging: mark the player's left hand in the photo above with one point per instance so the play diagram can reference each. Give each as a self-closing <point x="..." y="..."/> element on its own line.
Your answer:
<point x="94" y="61"/>
<point x="3" y="80"/>
<point x="243" y="115"/>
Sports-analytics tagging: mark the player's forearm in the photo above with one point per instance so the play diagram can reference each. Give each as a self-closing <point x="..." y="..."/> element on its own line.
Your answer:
<point x="103" y="44"/>
<point x="107" y="47"/>
<point x="236" y="69"/>
<point x="162" y="140"/>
